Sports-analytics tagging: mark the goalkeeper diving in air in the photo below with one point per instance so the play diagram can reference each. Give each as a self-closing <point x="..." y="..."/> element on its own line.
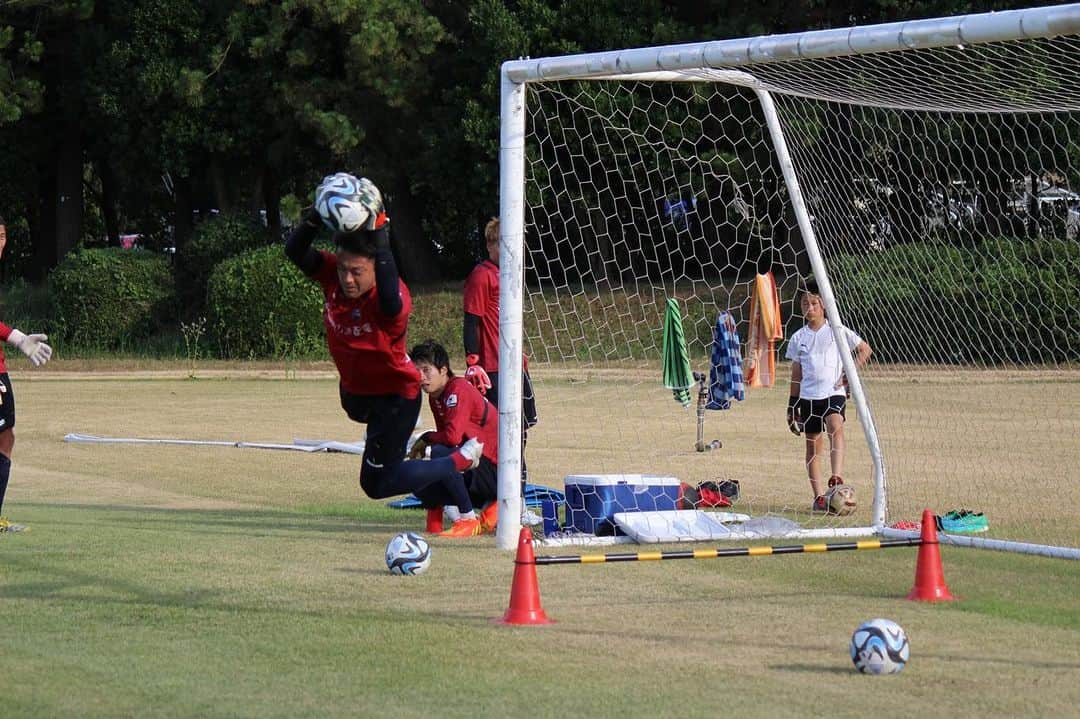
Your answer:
<point x="366" y="316"/>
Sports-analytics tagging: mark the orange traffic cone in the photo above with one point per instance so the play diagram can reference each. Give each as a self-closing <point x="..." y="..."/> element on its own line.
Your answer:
<point x="524" y="592"/>
<point x="434" y="520"/>
<point x="929" y="579"/>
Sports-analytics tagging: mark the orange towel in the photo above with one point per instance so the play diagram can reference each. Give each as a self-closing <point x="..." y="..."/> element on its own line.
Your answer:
<point x="766" y="329"/>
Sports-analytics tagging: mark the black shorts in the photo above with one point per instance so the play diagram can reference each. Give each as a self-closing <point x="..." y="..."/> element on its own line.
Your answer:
<point x="390" y="419"/>
<point x="483" y="483"/>
<point x="7" y="403"/>
<point x="814" y="411"/>
<point x="528" y="398"/>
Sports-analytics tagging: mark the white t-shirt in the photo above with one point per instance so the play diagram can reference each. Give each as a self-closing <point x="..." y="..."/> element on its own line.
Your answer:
<point x="817" y="354"/>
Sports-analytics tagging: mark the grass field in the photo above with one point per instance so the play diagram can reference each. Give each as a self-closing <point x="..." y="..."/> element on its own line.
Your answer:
<point x="221" y="582"/>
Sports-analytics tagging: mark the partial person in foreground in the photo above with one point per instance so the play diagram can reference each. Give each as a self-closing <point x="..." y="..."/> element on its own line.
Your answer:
<point x="34" y="347"/>
<point x="461" y="414"/>
<point x="818" y="393"/>
<point x="366" y="316"/>
<point x="481" y="338"/>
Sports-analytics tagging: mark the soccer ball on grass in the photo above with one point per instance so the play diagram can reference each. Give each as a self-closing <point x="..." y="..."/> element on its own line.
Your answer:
<point x="408" y="553"/>
<point x="879" y="646"/>
<point x="841" y="500"/>
<point x="347" y="203"/>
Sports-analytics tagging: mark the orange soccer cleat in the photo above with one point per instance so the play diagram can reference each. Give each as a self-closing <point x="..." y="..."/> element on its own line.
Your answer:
<point x="489" y="517"/>
<point x="464" y="528"/>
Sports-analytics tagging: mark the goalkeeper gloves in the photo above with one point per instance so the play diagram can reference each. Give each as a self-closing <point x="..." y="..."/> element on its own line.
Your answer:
<point x="794" y="420"/>
<point x="33" y="346"/>
<point x="371" y="199"/>
<point x="476" y="375"/>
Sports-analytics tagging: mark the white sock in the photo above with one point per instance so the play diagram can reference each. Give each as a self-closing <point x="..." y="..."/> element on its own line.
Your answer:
<point x="451" y="513"/>
<point x="471" y="514"/>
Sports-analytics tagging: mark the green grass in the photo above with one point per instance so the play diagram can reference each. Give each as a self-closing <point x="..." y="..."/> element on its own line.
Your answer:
<point x="223" y="582"/>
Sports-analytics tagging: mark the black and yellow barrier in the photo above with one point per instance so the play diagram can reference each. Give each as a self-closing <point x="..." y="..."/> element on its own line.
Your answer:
<point x="733" y="552"/>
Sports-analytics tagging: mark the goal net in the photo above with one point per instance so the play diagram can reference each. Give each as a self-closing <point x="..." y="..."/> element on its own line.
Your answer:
<point x="925" y="175"/>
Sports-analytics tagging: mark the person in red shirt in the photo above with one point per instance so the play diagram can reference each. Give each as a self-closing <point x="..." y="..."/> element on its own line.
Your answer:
<point x="34" y="347"/>
<point x="481" y="335"/>
<point x="366" y="316"/>
<point x="461" y="413"/>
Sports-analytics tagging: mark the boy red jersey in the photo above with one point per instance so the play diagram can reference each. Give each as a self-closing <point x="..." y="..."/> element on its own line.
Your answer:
<point x="367" y="346"/>
<point x="481" y="298"/>
<point x="462" y="413"/>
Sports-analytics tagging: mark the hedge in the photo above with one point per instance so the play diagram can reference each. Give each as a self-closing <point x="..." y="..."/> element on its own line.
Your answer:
<point x="111" y="298"/>
<point x="260" y="305"/>
<point x="213" y="240"/>
<point x="1002" y="301"/>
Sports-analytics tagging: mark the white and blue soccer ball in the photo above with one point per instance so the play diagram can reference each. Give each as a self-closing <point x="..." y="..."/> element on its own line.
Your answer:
<point x="408" y="553"/>
<point x="879" y="646"/>
<point x="346" y="203"/>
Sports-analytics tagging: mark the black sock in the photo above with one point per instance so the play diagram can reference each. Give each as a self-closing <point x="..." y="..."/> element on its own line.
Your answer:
<point x="5" y="472"/>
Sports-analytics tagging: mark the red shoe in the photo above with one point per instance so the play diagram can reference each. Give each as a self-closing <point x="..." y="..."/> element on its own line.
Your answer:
<point x="835" y="480"/>
<point x="820" y="506"/>
<point x="464" y="528"/>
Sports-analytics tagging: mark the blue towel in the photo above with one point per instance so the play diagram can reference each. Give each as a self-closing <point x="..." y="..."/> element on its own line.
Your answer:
<point x="726" y="375"/>
<point x="534" y="495"/>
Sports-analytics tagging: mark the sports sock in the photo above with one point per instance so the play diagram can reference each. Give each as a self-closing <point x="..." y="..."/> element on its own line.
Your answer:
<point x="460" y="463"/>
<point x="471" y="514"/>
<point x="5" y="472"/>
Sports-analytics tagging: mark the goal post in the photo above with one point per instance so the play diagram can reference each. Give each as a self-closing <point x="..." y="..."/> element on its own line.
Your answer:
<point x="925" y="174"/>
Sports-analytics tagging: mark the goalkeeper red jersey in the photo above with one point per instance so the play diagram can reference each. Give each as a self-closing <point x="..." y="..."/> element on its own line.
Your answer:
<point x="462" y="413"/>
<point x="481" y="298"/>
<point x="367" y="346"/>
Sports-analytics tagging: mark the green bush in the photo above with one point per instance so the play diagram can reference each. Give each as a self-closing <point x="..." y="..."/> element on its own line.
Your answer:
<point x="260" y="305"/>
<point x="1002" y="301"/>
<point x="110" y="298"/>
<point x="214" y="240"/>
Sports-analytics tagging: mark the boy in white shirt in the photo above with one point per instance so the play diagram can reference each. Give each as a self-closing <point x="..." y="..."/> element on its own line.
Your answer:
<point x="818" y="393"/>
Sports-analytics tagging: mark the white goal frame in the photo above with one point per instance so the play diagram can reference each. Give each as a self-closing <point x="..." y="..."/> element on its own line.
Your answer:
<point x="723" y="60"/>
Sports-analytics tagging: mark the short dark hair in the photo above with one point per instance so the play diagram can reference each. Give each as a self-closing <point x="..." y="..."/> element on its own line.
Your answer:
<point x="357" y="243"/>
<point x="810" y="287"/>
<point x="433" y="353"/>
<point x="2" y="220"/>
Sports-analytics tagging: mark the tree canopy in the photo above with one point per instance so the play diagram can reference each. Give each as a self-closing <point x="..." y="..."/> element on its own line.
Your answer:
<point x="137" y="116"/>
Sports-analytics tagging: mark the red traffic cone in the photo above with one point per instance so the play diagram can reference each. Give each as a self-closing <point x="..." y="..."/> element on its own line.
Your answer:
<point x="929" y="579"/>
<point x="434" y="520"/>
<point x="524" y="592"/>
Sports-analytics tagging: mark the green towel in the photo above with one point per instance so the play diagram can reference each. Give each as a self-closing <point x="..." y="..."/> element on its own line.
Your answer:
<point x="677" y="375"/>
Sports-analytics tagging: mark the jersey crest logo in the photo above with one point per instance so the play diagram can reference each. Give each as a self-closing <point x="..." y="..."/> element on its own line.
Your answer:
<point x="451" y="401"/>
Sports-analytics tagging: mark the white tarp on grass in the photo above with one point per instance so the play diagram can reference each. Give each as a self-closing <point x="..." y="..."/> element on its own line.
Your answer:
<point x="298" y="445"/>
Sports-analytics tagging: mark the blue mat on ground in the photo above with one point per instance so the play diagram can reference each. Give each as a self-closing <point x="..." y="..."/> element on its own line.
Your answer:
<point x="534" y="495"/>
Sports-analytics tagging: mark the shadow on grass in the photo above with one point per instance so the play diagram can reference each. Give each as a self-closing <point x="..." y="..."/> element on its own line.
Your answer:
<point x="202" y="521"/>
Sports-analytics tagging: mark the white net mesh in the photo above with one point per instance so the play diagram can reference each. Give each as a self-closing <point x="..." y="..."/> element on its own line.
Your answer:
<point x="942" y="186"/>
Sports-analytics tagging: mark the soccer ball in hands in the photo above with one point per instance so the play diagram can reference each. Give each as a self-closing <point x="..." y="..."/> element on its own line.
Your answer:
<point x="347" y="203"/>
<point x="879" y="646"/>
<point x="408" y="553"/>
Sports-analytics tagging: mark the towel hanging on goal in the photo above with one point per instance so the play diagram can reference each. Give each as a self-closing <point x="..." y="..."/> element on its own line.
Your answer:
<point x="725" y="375"/>
<point x="677" y="374"/>
<point x="766" y="330"/>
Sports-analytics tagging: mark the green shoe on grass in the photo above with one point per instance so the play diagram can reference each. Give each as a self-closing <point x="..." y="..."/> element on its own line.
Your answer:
<point x="963" y="521"/>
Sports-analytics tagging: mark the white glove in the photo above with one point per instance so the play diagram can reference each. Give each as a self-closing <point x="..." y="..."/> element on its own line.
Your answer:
<point x="33" y="346"/>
